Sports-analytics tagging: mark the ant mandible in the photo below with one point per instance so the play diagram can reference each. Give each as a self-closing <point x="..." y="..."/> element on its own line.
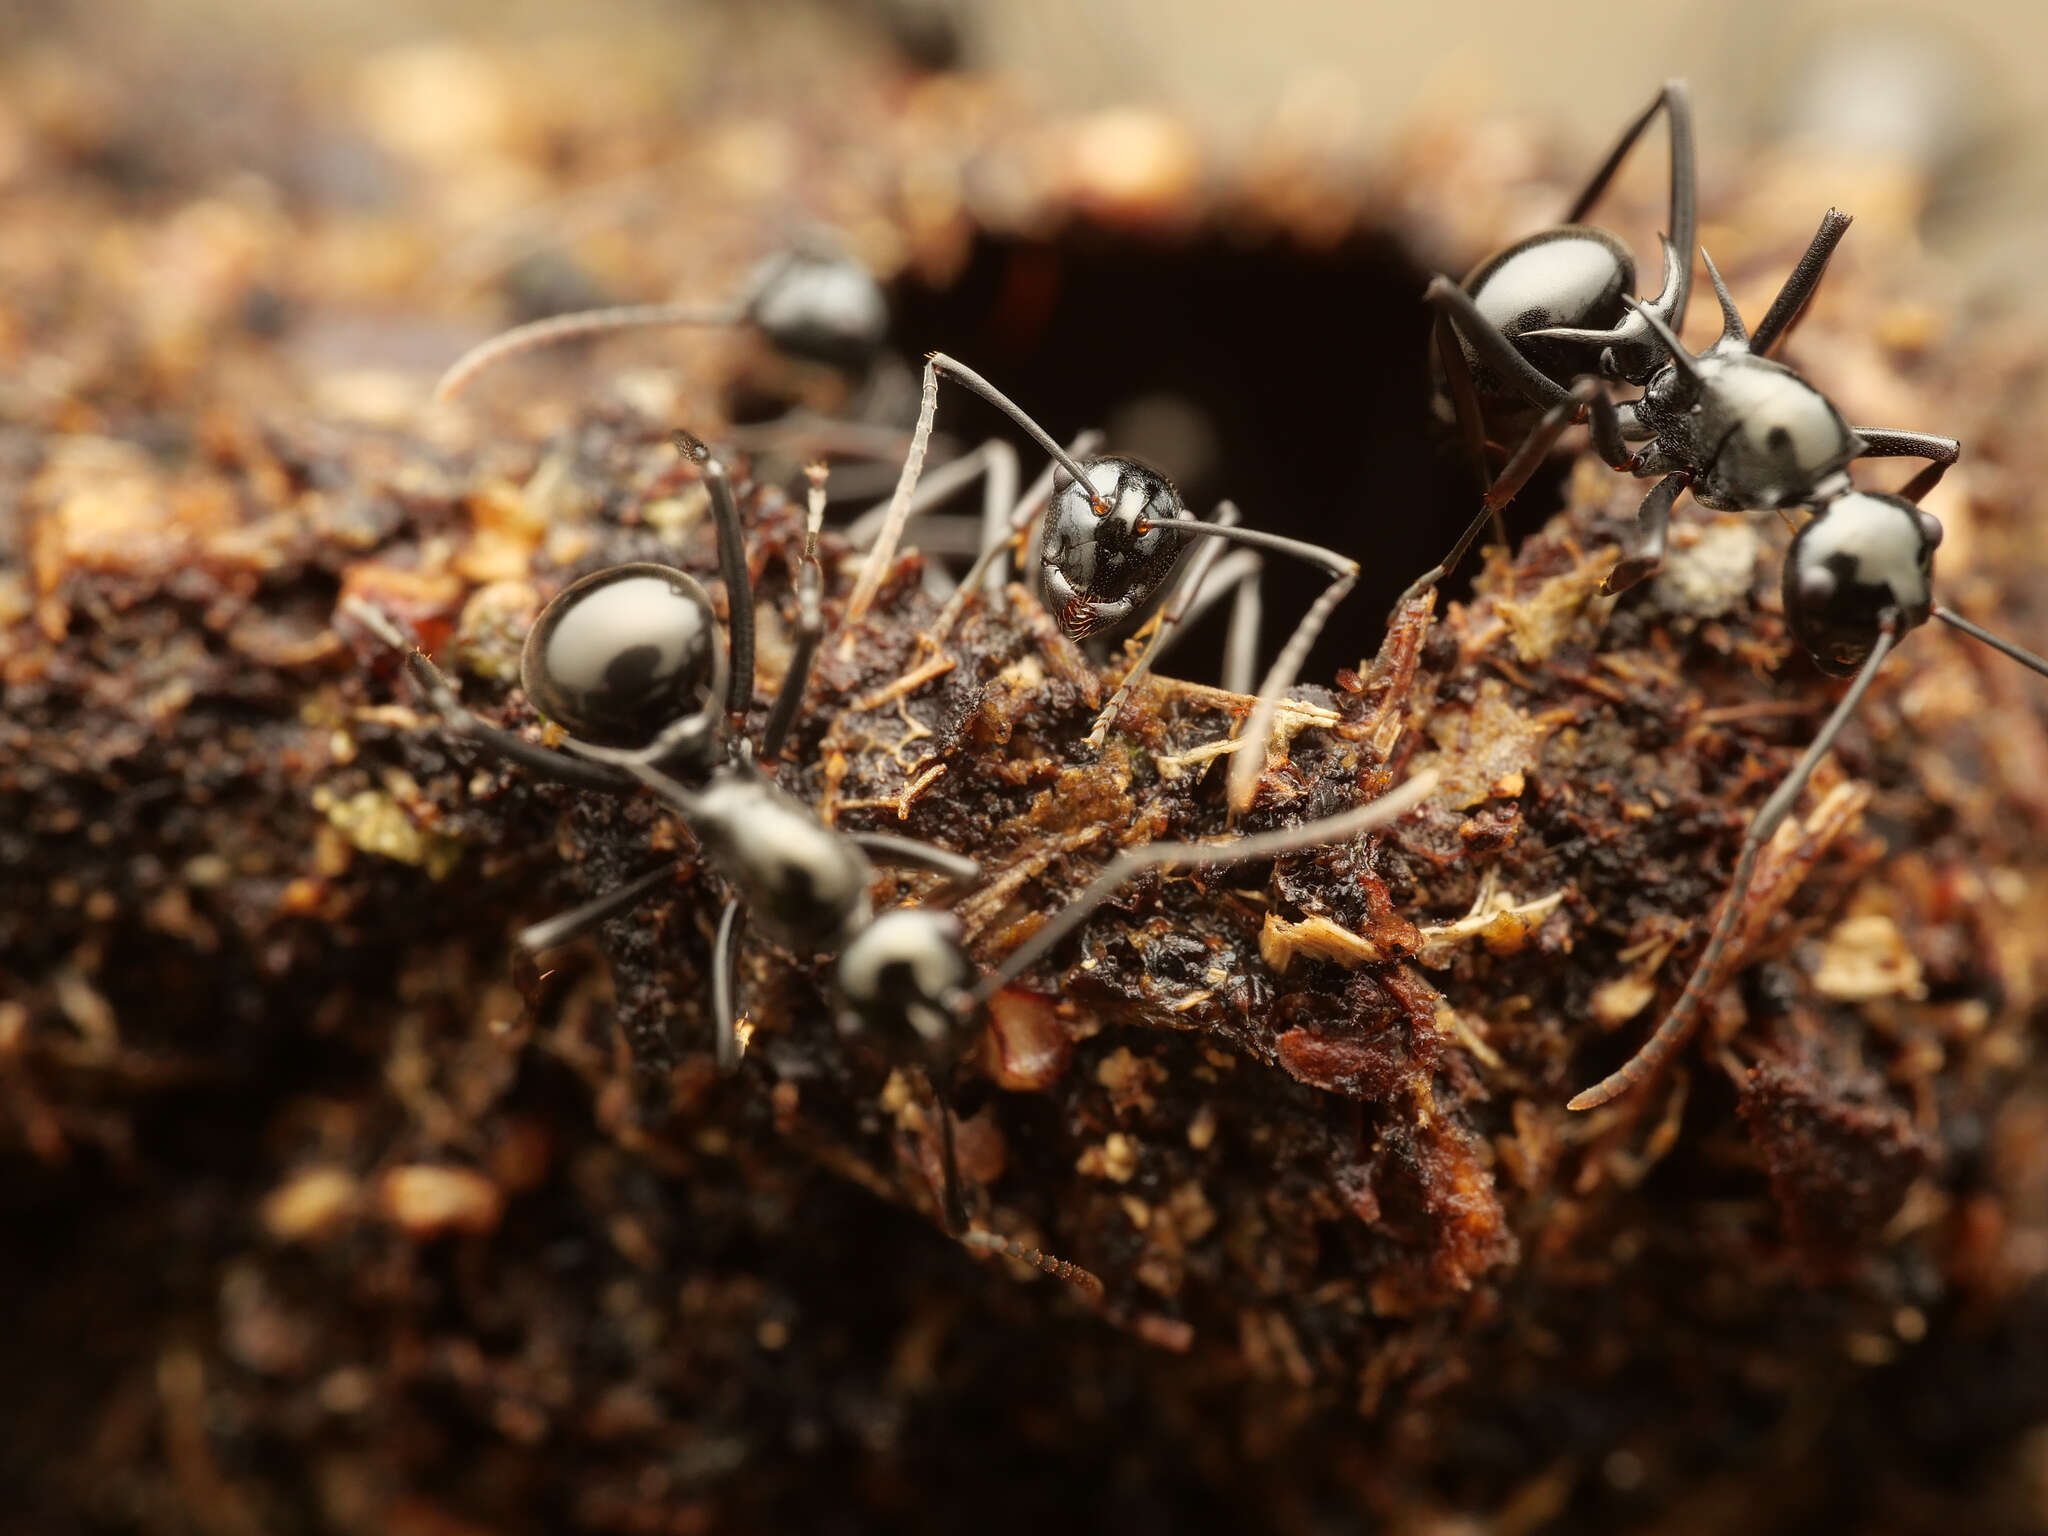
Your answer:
<point x="1114" y="551"/>
<point x="652" y="693"/>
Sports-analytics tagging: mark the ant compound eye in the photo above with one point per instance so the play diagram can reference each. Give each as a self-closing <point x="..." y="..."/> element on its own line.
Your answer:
<point x="1865" y="555"/>
<point x="623" y="653"/>
<point x="1101" y="570"/>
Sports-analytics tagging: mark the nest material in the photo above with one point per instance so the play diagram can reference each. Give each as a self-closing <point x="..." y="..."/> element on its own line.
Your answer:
<point x="327" y="1214"/>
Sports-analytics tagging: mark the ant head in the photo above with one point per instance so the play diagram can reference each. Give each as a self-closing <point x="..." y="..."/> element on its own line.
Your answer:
<point x="821" y="305"/>
<point x="1104" y="556"/>
<point x="628" y="656"/>
<point x="1861" y="555"/>
<point x="1770" y="438"/>
<point x="908" y="968"/>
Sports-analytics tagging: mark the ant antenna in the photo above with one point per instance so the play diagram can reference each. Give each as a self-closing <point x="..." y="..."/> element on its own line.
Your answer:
<point x="732" y="566"/>
<point x="1081" y="1279"/>
<point x="810" y="593"/>
<point x="1345" y="825"/>
<point x="2020" y="654"/>
<point x="883" y="550"/>
<point x="584" y="322"/>
<point x="1679" y="1024"/>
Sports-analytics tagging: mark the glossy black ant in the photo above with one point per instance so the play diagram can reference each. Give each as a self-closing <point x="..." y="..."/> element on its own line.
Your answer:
<point x="1558" y="297"/>
<point x="1742" y="432"/>
<point x="813" y="302"/>
<point x="1115" y="550"/>
<point x="653" y="693"/>
<point x="1857" y="578"/>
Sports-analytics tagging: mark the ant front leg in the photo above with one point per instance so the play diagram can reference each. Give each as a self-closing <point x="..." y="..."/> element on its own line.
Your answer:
<point x="1464" y="393"/>
<point x="1654" y="519"/>
<point x="1940" y="452"/>
<point x="1586" y="394"/>
<point x="1192" y="579"/>
<point x="810" y="624"/>
<point x="1789" y="306"/>
<point x="1683" y="1019"/>
<point x="994" y="463"/>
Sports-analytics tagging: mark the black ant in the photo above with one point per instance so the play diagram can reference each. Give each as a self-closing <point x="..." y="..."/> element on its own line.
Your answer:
<point x="633" y="665"/>
<point x="1116" y="550"/>
<point x="1857" y="577"/>
<point x="1742" y="432"/>
<point x="812" y="302"/>
<point x="1558" y="297"/>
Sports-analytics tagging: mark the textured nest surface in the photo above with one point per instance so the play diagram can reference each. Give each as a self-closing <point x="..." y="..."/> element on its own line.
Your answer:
<point x="325" y="1214"/>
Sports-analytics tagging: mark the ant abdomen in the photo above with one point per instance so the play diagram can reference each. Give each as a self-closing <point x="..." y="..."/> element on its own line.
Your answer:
<point x="1573" y="277"/>
<point x="624" y="652"/>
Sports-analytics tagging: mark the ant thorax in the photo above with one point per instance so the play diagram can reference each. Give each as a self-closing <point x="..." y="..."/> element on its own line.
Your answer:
<point x="1757" y="434"/>
<point x="1103" y="570"/>
<point x="806" y="886"/>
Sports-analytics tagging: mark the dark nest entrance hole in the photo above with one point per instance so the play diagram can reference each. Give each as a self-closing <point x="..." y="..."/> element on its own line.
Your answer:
<point x="1291" y="381"/>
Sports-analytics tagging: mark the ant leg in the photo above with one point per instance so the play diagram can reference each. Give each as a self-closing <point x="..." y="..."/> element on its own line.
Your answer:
<point x="989" y="1242"/>
<point x="955" y="1215"/>
<point x="1940" y="452"/>
<point x="732" y="569"/>
<point x="458" y="721"/>
<point x="1244" y="771"/>
<point x="995" y="459"/>
<point x="579" y="920"/>
<point x="1235" y="576"/>
<point x="1790" y="305"/>
<point x="884" y="549"/>
<point x="1241" y="639"/>
<point x="725" y="956"/>
<point x="586" y="322"/>
<point x="1586" y="394"/>
<point x="996" y="540"/>
<point x="909" y="853"/>
<point x="810" y="624"/>
<point x="1675" y="102"/>
<point x="2018" y="653"/>
<point x="1186" y="588"/>
<point x="1494" y="348"/>
<point x="1464" y="395"/>
<point x="1679" y="1024"/>
<point x="1390" y="807"/>
<point x="1654" y="519"/>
